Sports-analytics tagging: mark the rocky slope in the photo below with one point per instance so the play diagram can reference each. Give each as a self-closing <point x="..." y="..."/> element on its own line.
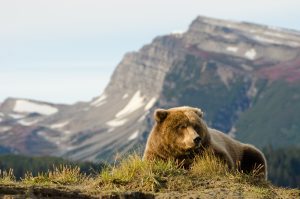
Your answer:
<point x="244" y="76"/>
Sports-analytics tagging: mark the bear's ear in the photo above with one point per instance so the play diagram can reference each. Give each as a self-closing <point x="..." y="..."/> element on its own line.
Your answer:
<point x="199" y="112"/>
<point x="160" y="115"/>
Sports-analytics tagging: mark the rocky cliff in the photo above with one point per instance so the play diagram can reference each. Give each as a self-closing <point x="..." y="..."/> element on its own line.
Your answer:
<point x="244" y="76"/>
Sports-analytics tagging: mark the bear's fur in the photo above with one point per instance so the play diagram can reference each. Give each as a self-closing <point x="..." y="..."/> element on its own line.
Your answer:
<point x="180" y="133"/>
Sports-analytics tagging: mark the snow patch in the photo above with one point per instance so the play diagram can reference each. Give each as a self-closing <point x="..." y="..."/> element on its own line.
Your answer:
<point x="116" y="122"/>
<point x="16" y="116"/>
<point x="1" y="114"/>
<point x="125" y="96"/>
<point x="267" y="40"/>
<point x="133" y="136"/>
<point x="30" y="107"/>
<point x="250" y="54"/>
<point x="279" y="42"/>
<point x="43" y="134"/>
<point x="275" y="34"/>
<point x="150" y="104"/>
<point x="53" y="138"/>
<point x="99" y="101"/>
<point x="110" y="130"/>
<point x="136" y="102"/>
<point x="232" y="49"/>
<point x="59" y="125"/>
<point x="46" y="136"/>
<point x="142" y="118"/>
<point x="27" y="123"/>
<point x="5" y="128"/>
<point x="246" y="67"/>
<point x="67" y="132"/>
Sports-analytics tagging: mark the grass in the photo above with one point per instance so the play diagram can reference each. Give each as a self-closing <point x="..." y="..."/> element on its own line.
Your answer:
<point x="207" y="176"/>
<point x="7" y="177"/>
<point x="61" y="175"/>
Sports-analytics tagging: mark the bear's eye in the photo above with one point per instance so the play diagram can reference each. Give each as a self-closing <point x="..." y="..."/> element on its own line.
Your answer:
<point x="182" y="126"/>
<point x="197" y="128"/>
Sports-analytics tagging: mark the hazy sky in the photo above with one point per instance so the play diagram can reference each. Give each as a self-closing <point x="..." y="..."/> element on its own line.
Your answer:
<point x="66" y="50"/>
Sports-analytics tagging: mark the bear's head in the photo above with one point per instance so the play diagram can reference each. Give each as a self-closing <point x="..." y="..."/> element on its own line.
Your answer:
<point x="178" y="132"/>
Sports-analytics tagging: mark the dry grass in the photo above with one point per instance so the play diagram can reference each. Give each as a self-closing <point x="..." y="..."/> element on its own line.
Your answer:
<point x="61" y="175"/>
<point x="135" y="174"/>
<point x="7" y="177"/>
<point x="207" y="176"/>
<point x="208" y="166"/>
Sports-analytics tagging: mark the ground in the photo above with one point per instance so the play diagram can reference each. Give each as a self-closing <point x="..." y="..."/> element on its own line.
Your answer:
<point x="134" y="178"/>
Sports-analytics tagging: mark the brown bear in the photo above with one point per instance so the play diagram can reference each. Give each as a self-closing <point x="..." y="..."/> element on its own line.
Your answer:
<point x="180" y="133"/>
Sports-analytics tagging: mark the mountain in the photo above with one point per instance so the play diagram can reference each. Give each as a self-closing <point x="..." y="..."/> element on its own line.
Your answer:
<point x="245" y="77"/>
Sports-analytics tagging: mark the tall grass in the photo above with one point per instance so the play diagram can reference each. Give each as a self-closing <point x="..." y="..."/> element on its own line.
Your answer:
<point x="134" y="174"/>
<point x="7" y="176"/>
<point x="61" y="175"/>
<point x="208" y="166"/>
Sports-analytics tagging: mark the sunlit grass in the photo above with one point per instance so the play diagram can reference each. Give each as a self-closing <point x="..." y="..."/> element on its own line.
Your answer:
<point x="207" y="174"/>
<point x="134" y="173"/>
<point x="60" y="175"/>
<point x="7" y="177"/>
<point x="208" y="166"/>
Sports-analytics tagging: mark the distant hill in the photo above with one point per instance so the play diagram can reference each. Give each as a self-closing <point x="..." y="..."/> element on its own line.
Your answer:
<point x="246" y="78"/>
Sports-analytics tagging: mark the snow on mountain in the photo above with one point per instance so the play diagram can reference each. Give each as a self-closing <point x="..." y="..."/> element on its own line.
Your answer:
<point x="136" y="102"/>
<point x="28" y="123"/>
<point x="133" y="135"/>
<point x="232" y="49"/>
<point x="250" y="54"/>
<point x="4" y="128"/>
<point x="16" y="116"/>
<point x="150" y="104"/>
<point x="59" y="125"/>
<point x="24" y="106"/>
<point x="116" y="122"/>
<point x="99" y="101"/>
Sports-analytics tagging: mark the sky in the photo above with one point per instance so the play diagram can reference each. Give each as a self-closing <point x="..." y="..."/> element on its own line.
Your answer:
<point x="64" y="51"/>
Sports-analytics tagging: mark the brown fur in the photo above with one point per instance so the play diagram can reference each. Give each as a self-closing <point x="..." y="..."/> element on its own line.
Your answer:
<point x="175" y="134"/>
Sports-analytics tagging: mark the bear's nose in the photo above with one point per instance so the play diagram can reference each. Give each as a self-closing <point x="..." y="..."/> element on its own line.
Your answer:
<point x="197" y="140"/>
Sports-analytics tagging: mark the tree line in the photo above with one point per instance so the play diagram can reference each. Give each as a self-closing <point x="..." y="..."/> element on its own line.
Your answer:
<point x="284" y="166"/>
<point x="22" y="164"/>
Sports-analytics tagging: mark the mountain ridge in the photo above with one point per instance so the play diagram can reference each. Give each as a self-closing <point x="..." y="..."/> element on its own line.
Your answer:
<point x="223" y="67"/>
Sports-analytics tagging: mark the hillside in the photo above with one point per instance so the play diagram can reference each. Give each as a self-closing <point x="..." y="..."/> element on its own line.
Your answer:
<point x="134" y="178"/>
<point x="244" y="76"/>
